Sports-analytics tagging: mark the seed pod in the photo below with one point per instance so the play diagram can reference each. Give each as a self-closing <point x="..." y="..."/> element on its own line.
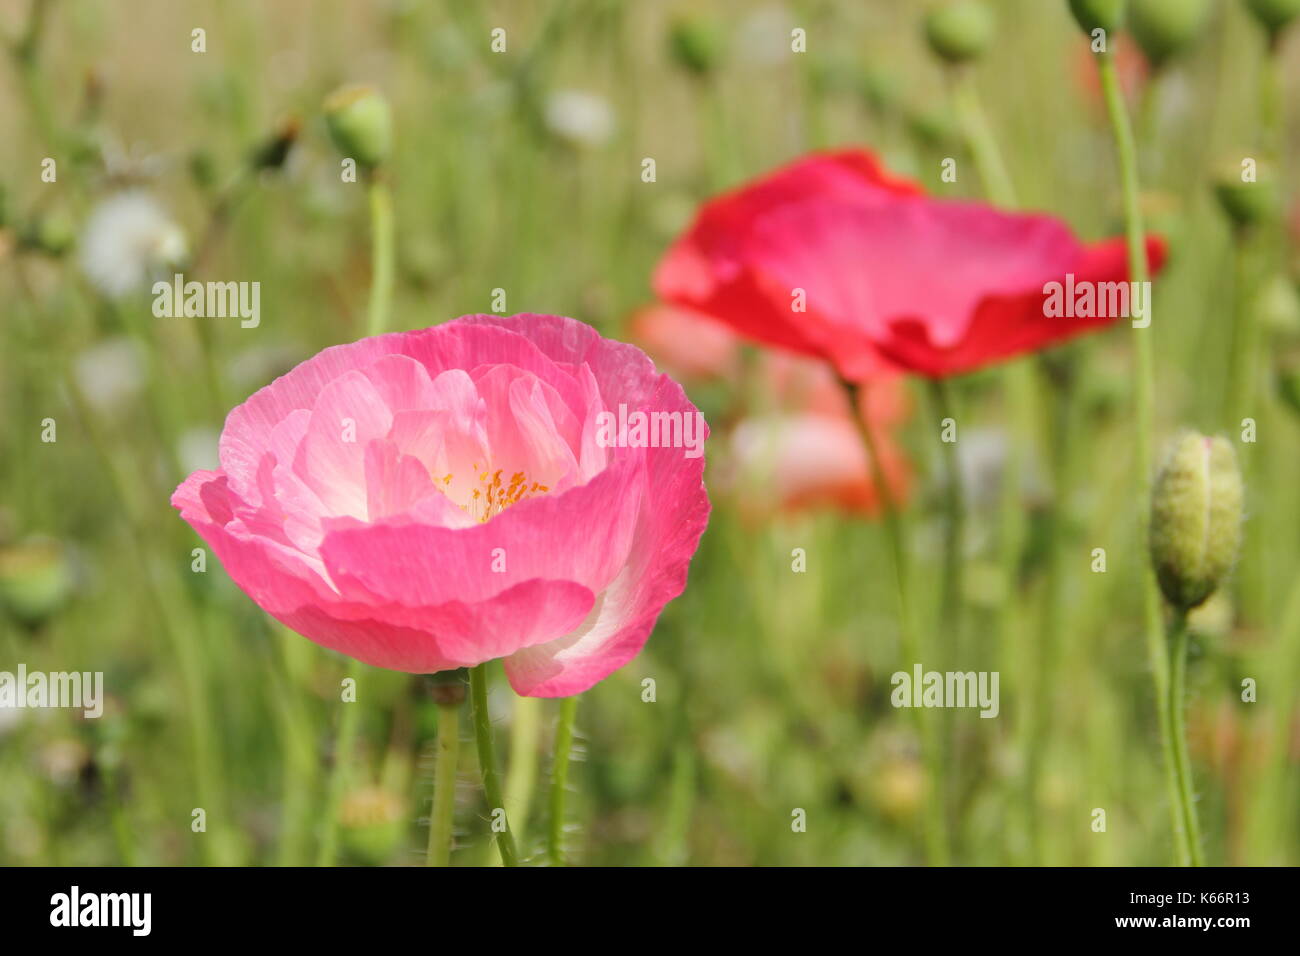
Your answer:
<point x="695" y="44"/>
<point x="960" y="31"/>
<point x="1273" y="15"/>
<point x="360" y="123"/>
<point x="1196" y="507"/>
<point x="1092" y="15"/>
<point x="1165" y="28"/>
<point x="1247" y="203"/>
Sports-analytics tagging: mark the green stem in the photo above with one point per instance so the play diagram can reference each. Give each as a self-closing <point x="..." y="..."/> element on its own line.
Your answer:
<point x="953" y="565"/>
<point x="954" y="518"/>
<point x="1270" y="112"/>
<point x="344" y="744"/>
<point x="170" y="607"/>
<point x="444" y="785"/>
<point x="381" y="255"/>
<point x="936" y="827"/>
<point x="560" y="779"/>
<point x="1177" y="706"/>
<point x="1049" y="636"/>
<point x="487" y="762"/>
<point x="300" y="766"/>
<point x="1238" y="398"/>
<point x="981" y="142"/>
<point x="521" y="775"/>
<point x="1138" y="272"/>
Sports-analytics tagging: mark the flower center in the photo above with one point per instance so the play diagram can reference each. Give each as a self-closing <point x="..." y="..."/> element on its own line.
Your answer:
<point x="493" y="495"/>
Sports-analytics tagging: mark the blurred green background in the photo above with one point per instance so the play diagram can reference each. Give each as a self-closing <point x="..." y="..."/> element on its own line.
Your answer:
<point x="521" y="171"/>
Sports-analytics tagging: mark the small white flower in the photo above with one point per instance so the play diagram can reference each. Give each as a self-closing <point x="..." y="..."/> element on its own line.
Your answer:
<point x="110" y="372"/>
<point x="128" y="241"/>
<point x="582" y="118"/>
<point x="10" y="716"/>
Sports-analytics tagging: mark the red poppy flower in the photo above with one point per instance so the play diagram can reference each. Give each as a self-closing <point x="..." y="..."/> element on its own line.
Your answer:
<point x="834" y="257"/>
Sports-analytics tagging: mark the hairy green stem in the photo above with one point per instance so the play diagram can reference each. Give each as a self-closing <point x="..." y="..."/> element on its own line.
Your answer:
<point x="1144" y="375"/>
<point x="521" y="774"/>
<point x="443" y="810"/>
<point x="487" y="763"/>
<point x="1177" y="705"/>
<point x="560" y="779"/>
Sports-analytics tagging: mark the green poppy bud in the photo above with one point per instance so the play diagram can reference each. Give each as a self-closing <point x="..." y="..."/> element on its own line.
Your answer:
<point x="960" y="31"/>
<point x="1092" y="15"/>
<point x="695" y="44"/>
<point x="273" y="152"/>
<point x="1288" y="387"/>
<point x="935" y="127"/>
<point x="360" y="123"/>
<point x="1196" y="508"/>
<point x="52" y="234"/>
<point x="36" y="579"/>
<point x="1165" y="28"/>
<point x="1247" y="199"/>
<point x="1273" y="15"/>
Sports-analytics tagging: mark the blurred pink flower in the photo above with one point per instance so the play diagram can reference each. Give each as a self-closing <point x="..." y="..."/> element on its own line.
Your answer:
<point x="430" y="500"/>
<point x="691" y="345"/>
<point x="807" y="451"/>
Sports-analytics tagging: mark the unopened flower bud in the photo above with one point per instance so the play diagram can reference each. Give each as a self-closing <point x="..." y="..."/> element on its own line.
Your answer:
<point x="1092" y="15"/>
<point x="960" y="31"/>
<point x="360" y="123"/>
<point x="1274" y="15"/>
<point x="1165" y="28"/>
<point x="1247" y="199"/>
<point x="273" y="151"/>
<point x="695" y="44"/>
<point x="36" y="579"/>
<point x="1196" y="508"/>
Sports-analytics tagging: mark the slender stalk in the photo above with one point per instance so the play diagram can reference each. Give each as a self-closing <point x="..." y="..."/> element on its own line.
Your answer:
<point x="954" y="519"/>
<point x="381" y="255"/>
<point x="1177" y="705"/>
<point x="936" y="827"/>
<point x="981" y="142"/>
<point x="1270" y="112"/>
<point x="300" y="766"/>
<point x="1238" y="397"/>
<point x="950" y="620"/>
<point x="170" y="606"/>
<point x="560" y="779"/>
<point x="344" y="743"/>
<point x="1144" y="374"/>
<point x="1048" y="638"/>
<point x="521" y="775"/>
<point x="444" y="784"/>
<point x="1270" y="821"/>
<point x="487" y="762"/>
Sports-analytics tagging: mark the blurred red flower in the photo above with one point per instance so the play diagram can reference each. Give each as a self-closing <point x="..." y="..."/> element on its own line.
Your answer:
<point x="834" y="257"/>
<point x="801" y="449"/>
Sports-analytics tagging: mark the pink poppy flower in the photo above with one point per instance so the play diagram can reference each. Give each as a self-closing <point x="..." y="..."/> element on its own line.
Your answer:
<point x="430" y="500"/>
<point x="834" y="257"/>
<point x="806" y="451"/>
